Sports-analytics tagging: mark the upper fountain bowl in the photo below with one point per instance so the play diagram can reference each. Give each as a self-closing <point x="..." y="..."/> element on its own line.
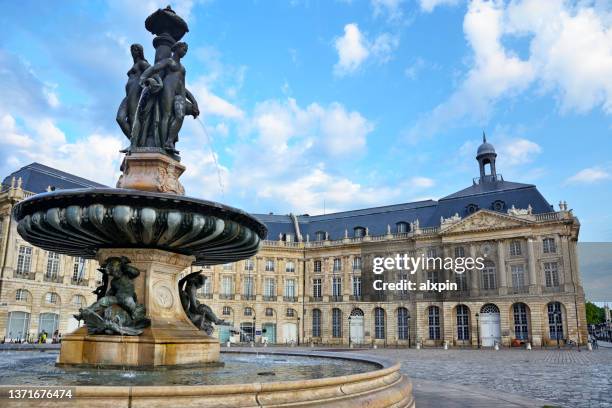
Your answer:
<point x="81" y="221"/>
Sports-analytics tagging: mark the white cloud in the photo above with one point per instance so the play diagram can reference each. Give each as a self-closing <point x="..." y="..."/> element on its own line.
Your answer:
<point x="589" y="176"/>
<point x="518" y="151"/>
<point x="389" y="8"/>
<point x="570" y="56"/>
<point x="422" y="182"/>
<point x="429" y="5"/>
<point x="354" y="49"/>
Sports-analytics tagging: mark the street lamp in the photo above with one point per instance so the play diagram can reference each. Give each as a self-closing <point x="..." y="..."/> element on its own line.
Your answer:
<point x="298" y="331"/>
<point x="478" y="329"/>
<point x="254" y="328"/>
<point x="349" y="331"/>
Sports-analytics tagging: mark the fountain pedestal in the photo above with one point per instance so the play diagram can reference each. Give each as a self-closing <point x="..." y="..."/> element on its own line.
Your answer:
<point x="151" y="171"/>
<point x="171" y="340"/>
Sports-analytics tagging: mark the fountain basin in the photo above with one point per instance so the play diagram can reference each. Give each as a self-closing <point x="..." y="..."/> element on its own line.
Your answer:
<point x="79" y="222"/>
<point x="328" y="379"/>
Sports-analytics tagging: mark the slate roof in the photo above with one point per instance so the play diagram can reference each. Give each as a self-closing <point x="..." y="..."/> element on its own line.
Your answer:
<point x="37" y="177"/>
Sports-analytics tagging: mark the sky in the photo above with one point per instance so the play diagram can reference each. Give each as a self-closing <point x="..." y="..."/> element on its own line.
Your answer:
<point x="312" y="106"/>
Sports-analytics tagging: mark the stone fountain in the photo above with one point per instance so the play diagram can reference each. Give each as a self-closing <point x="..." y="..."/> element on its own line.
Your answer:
<point x="145" y="235"/>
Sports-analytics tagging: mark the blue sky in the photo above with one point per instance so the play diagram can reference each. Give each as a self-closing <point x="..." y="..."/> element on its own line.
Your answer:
<point x="339" y="104"/>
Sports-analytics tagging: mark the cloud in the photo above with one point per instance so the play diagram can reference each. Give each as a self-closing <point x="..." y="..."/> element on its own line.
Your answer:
<point x="211" y="104"/>
<point x="570" y="57"/>
<point x="518" y="151"/>
<point x="429" y="5"/>
<point x="589" y="175"/>
<point x="391" y="9"/>
<point x="422" y="182"/>
<point x="354" y="49"/>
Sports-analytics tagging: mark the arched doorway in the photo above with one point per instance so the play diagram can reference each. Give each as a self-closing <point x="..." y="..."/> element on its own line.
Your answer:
<point x="289" y="332"/>
<point x="490" y="326"/>
<point x="520" y="314"/>
<point x="356" y="326"/>
<point x="18" y="325"/>
<point x="49" y="323"/>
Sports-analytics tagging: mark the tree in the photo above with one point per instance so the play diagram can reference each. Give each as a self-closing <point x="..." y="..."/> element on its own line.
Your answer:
<point x="594" y="313"/>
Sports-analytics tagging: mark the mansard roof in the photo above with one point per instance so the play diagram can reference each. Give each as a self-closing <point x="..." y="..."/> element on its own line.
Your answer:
<point x="36" y="178"/>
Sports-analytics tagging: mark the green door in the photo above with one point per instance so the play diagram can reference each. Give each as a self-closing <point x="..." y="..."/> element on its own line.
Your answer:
<point x="270" y="332"/>
<point x="223" y="333"/>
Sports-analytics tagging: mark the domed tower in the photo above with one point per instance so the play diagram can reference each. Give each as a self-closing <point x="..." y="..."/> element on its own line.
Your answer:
<point x="486" y="155"/>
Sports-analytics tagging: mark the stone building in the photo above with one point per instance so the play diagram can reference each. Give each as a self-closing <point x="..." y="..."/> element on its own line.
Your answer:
<point x="312" y="281"/>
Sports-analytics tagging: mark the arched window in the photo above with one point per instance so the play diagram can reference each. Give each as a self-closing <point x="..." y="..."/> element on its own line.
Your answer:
<point x="379" y="323"/>
<point x="290" y="312"/>
<point x="358" y="232"/>
<point x="18" y="325"/>
<point x="498" y="205"/>
<point x="402" y="323"/>
<point x="226" y="311"/>
<point x="336" y="322"/>
<point x="434" y="323"/>
<point x="22" y="295"/>
<point x="78" y="300"/>
<point x="269" y="311"/>
<point x="48" y="322"/>
<point x="471" y="208"/>
<point x="555" y="320"/>
<point x="320" y="236"/>
<point x="489" y="308"/>
<point x="402" y="227"/>
<point x="521" y="325"/>
<point x="488" y="276"/>
<point x="52" y="298"/>
<point x="248" y="311"/>
<point x="316" y="323"/>
<point x="463" y="322"/>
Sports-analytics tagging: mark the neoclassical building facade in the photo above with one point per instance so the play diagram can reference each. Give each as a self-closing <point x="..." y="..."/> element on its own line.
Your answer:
<point x="312" y="281"/>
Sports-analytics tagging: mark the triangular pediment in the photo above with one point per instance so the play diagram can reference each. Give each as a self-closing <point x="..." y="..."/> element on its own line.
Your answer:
<point x="484" y="220"/>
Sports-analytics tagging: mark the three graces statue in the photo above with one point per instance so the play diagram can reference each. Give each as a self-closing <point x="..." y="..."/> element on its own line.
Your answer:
<point x="157" y="101"/>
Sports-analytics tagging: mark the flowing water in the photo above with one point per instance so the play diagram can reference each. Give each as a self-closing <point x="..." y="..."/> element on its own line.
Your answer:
<point x="212" y="153"/>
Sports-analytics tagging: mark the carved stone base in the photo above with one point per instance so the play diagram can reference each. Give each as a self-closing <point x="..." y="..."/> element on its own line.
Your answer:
<point x="151" y="172"/>
<point x="172" y="339"/>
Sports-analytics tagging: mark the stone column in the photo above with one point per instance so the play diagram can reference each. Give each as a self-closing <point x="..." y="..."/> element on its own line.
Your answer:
<point x="534" y="286"/>
<point x="474" y="274"/>
<point x="567" y="266"/>
<point x="501" y="267"/>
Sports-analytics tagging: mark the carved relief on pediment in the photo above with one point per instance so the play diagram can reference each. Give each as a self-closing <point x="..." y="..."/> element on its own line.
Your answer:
<point x="484" y="220"/>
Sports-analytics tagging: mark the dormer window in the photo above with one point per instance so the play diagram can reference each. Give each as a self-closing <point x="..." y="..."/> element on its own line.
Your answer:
<point x="499" y="205"/>
<point x="287" y="237"/>
<point x="359" y="232"/>
<point x="402" y="227"/>
<point x="471" y="208"/>
<point x="320" y="236"/>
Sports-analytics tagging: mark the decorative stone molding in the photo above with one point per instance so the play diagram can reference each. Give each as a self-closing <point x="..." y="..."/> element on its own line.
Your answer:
<point x="154" y="172"/>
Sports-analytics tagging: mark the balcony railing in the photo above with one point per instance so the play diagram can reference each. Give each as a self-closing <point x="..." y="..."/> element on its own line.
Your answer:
<point x="335" y="298"/>
<point x="227" y="296"/>
<point x="53" y="278"/>
<point x="356" y="298"/>
<point x="269" y="298"/>
<point x="205" y="295"/>
<point x="518" y="289"/>
<point x="316" y="298"/>
<point x="79" y="282"/>
<point x="248" y="297"/>
<point x="290" y="298"/>
<point x="24" y="275"/>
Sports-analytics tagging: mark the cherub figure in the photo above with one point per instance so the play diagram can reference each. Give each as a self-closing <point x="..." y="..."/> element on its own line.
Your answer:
<point x="200" y="314"/>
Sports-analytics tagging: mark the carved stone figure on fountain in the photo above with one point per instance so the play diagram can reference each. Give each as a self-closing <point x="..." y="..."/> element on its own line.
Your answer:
<point x="117" y="312"/>
<point x="200" y="314"/>
<point x="175" y="100"/>
<point x="127" y="109"/>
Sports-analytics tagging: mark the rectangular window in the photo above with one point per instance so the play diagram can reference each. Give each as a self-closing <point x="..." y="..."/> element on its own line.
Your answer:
<point x="53" y="262"/>
<point x="249" y="265"/>
<point x="402" y="277"/>
<point x="290" y="288"/>
<point x="431" y="253"/>
<point x="317" y="266"/>
<point x="228" y="267"/>
<point x="337" y="265"/>
<point x="379" y="323"/>
<point x="551" y="273"/>
<point x="206" y="289"/>
<point x="461" y="281"/>
<point x="247" y="286"/>
<point x="357" y="263"/>
<point x="548" y="246"/>
<point x="269" y="265"/>
<point x="269" y="287"/>
<point x="488" y="278"/>
<point x="434" y="323"/>
<point x="316" y="323"/>
<point x="336" y="323"/>
<point x="316" y="288"/>
<point x="336" y="286"/>
<point x="78" y="269"/>
<point x="227" y="285"/>
<point x="290" y="267"/>
<point x="459" y="252"/>
<point x="356" y="285"/>
<point x="24" y="259"/>
<point x="518" y="276"/>
<point x="515" y="248"/>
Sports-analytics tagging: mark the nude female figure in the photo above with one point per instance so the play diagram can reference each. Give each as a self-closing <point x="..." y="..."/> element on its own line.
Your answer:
<point x="129" y="104"/>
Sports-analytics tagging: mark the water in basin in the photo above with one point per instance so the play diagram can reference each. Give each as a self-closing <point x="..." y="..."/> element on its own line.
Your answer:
<point x="38" y="368"/>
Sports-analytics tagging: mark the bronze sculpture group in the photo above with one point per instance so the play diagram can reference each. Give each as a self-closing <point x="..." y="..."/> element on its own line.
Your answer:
<point x="200" y="314"/>
<point x="157" y="101"/>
